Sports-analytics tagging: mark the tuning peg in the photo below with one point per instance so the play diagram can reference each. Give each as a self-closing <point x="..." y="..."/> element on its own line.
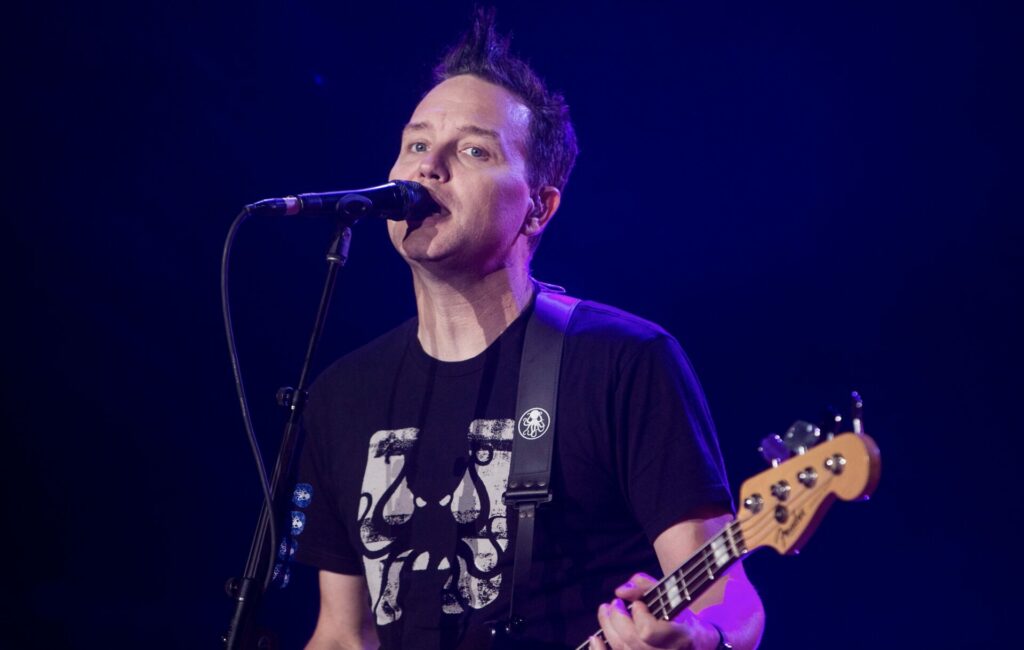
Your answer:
<point x="830" y="422"/>
<point x="801" y="436"/>
<point x="774" y="450"/>
<point x="857" y="412"/>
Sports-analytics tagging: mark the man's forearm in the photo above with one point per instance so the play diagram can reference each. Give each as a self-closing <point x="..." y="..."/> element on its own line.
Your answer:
<point x="740" y="614"/>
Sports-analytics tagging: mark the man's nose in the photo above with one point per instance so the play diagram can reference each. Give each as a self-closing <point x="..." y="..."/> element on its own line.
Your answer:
<point x="433" y="167"/>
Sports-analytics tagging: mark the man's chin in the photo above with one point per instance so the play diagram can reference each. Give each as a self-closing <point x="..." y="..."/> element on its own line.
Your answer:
<point x="421" y="247"/>
<point x="438" y="264"/>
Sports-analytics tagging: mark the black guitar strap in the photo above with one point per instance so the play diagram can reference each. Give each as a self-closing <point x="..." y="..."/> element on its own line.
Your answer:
<point x="529" y="480"/>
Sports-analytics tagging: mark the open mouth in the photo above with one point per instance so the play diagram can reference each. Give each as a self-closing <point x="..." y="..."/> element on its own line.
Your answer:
<point x="412" y="225"/>
<point x="441" y="212"/>
<point x="425" y="218"/>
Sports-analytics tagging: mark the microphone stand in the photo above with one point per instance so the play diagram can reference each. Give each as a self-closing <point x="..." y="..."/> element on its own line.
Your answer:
<point x="248" y="590"/>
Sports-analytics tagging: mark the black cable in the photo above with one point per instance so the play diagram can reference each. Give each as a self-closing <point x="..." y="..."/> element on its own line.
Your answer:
<point x="240" y="388"/>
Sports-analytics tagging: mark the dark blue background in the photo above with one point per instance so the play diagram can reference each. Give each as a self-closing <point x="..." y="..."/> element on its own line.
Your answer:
<point x="812" y="198"/>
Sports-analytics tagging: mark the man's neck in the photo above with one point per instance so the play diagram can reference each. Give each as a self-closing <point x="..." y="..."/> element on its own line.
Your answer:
<point x="459" y="318"/>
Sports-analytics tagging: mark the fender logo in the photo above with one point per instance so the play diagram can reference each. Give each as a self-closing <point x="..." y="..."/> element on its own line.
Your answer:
<point x="784" y="533"/>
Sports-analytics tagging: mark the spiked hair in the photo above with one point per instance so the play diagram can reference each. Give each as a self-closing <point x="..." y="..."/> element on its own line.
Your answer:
<point x="482" y="52"/>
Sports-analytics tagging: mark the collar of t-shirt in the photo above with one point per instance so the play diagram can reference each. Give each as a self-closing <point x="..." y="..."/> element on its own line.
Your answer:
<point x="510" y="340"/>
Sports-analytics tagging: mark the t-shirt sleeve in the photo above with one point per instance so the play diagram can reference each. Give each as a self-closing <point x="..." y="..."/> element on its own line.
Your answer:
<point x="671" y="460"/>
<point x="319" y="531"/>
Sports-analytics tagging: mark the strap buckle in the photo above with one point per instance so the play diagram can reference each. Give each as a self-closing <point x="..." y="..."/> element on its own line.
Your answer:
<point x="530" y="492"/>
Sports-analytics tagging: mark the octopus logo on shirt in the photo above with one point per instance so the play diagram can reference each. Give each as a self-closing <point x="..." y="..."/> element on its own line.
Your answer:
<point x="462" y="526"/>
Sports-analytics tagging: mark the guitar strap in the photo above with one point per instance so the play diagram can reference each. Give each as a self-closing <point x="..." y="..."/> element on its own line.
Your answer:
<point x="529" y="480"/>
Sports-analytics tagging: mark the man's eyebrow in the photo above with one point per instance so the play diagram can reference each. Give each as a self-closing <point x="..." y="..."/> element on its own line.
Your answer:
<point x="471" y="129"/>
<point x="416" y="126"/>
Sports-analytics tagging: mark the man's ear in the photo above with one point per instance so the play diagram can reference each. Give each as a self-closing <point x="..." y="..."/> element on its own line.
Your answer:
<point x="545" y="204"/>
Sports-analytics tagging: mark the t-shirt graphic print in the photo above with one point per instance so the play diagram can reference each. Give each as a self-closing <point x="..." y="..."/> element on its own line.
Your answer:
<point x="466" y="519"/>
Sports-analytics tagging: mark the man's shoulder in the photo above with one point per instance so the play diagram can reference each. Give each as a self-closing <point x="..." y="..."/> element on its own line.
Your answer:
<point x="602" y="334"/>
<point x="597" y="321"/>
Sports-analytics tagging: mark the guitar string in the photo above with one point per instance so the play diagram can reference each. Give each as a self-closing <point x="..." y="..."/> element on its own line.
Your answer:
<point x="700" y="569"/>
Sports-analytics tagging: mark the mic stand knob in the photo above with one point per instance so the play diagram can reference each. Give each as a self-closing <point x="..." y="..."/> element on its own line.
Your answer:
<point x="287" y="397"/>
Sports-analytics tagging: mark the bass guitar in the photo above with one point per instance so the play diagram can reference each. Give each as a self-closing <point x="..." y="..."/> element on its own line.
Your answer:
<point x="780" y="508"/>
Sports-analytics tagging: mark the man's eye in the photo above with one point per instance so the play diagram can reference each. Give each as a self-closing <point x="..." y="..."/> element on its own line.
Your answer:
<point x="418" y="147"/>
<point x="475" y="152"/>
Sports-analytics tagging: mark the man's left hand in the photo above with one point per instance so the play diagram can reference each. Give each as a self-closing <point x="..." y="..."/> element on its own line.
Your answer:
<point x="628" y="624"/>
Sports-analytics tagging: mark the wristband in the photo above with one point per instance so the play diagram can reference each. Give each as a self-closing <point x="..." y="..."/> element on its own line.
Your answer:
<point x="722" y="643"/>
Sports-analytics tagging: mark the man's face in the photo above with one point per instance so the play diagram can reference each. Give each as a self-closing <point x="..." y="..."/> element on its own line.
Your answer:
<point x="466" y="143"/>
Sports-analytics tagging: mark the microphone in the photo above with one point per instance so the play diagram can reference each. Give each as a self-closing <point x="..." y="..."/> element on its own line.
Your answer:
<point x="397" y="200"/>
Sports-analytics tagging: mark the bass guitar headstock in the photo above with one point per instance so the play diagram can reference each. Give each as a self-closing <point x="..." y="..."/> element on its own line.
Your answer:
<point x="782" y="506"/>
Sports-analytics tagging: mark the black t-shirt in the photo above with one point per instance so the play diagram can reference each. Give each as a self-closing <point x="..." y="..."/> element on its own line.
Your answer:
<point x="406" y="459"/>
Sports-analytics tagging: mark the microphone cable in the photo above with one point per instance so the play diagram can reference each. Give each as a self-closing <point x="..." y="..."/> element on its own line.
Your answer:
<point x="243" y="401"/>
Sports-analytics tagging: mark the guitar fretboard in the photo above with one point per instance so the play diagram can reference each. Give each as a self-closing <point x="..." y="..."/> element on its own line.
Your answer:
<point x="676" y="591"/>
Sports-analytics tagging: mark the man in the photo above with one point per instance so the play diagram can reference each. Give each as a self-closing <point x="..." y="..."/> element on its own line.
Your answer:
<point x="409" y="438"/>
